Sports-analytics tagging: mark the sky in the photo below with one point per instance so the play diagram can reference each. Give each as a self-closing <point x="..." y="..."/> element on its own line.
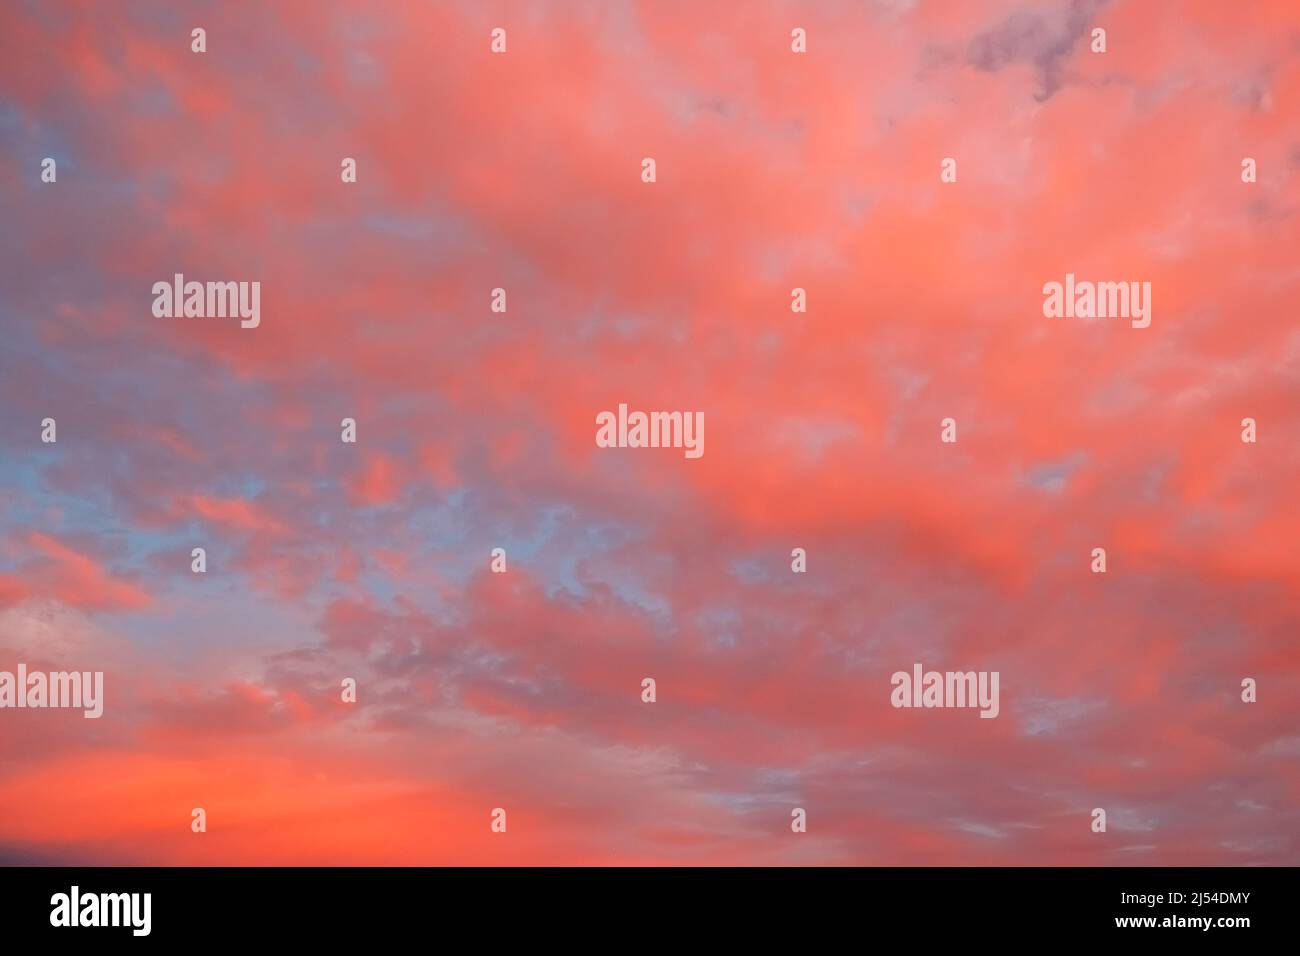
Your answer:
<point x="522" y="690"/>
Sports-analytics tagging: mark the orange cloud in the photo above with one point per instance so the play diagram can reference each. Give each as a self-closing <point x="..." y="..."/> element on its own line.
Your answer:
<point x="77" y="579"/>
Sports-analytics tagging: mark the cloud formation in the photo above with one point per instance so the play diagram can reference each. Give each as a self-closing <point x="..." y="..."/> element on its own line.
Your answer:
<point x="475" y="431"/>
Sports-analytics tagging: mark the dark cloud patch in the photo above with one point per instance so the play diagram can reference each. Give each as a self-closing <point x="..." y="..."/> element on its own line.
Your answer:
<point x="1044" y="39"/>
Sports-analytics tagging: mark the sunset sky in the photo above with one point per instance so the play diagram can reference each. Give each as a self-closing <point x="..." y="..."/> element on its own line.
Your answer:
<point x="475" y="430"/>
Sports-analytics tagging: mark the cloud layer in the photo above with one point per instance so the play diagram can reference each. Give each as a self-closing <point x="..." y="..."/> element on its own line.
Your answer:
<point x="475" y="431"/>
